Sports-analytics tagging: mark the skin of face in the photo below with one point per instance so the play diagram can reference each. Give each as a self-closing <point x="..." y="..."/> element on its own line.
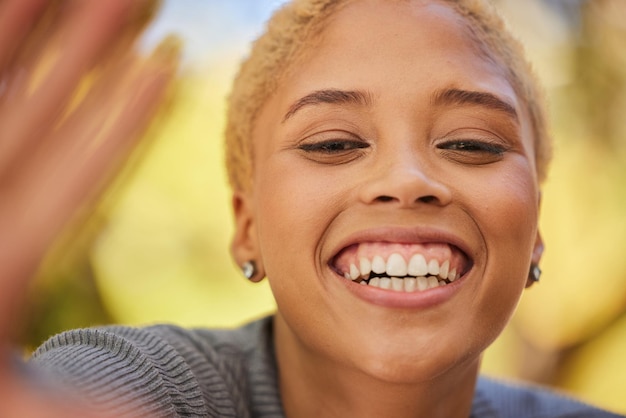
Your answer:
<point x="424" y="142"/>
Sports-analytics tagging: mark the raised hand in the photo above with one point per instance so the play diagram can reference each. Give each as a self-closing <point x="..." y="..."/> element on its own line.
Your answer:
<point x="74" y="98"/>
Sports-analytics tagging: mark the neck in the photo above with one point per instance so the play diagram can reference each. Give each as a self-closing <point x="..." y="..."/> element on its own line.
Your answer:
<point x="313" y="386"/>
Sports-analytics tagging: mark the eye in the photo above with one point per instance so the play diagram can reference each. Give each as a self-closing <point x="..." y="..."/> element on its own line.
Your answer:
<point x="472" y="151"/>
<point x="330" y="148"/>
<point x="333" y="146"/>
<point x="473" y="146"/>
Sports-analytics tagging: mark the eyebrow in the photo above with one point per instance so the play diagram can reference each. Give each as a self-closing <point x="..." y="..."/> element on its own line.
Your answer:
<point x="330" y="96"/>
<point x="449" y="97"/>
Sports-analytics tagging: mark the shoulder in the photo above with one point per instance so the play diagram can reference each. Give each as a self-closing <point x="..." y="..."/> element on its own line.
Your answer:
<point x="503" y="400"/>
<point x="160" y="370"/>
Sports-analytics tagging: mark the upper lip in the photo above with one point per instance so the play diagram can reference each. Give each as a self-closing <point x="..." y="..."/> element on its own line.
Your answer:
<point x="403" y="235"/>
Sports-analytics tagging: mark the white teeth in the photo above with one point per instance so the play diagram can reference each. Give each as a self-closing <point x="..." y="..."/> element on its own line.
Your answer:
<point x="432" y="282"/>
<point x="378" y="265"/>
<point x="433" y="267"/>
<point x="354" y="272"/>
<point x="397" y="284"/>
<point x="396" y="266"/>
<point x="365" y="266"/>
<point x="408" y="284"/>
<point x="417" y="266"/>
<point x="417" y="275"/>
<point x="443" y="269"/>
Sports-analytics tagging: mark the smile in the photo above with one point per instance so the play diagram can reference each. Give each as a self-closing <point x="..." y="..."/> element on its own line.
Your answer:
<point x="401" y="267"/>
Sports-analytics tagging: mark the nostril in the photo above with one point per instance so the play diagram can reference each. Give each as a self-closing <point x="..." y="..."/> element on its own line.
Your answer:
<point x="427" y="199"/>
<point x="384" y="198"/>
<point x="423" y="199"/>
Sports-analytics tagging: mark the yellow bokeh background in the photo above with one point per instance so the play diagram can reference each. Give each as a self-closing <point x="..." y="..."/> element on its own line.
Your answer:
<point x="156" y="249"/>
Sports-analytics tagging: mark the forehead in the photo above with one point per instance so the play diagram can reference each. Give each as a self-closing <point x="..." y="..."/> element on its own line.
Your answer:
<point x="413" y="41"/>
<point x="379" y="45"/>
<point x="404" y="18"/>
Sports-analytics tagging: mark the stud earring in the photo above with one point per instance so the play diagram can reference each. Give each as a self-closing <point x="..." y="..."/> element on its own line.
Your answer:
<point x="249" y="269"/>
<point x="534" y="274"/>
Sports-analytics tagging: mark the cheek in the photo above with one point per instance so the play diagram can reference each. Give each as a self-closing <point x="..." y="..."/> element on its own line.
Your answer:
<point x="506" y="211"/>
<point x="508" y="214"/>
<point x="295" y="207"/>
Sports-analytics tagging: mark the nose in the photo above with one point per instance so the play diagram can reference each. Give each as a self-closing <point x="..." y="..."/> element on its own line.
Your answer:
<point x="405" y="181"/>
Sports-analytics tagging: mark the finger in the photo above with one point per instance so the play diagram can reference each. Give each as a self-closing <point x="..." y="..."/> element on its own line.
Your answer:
<point x="93" y="106"/>
<point x="22" y="62"/>
<point x="41" y="199"/>
<point x="130" y="101"/>
<point x="20" y="399"/>
<point x="37" y="51"/>
<point x="17" y="18"/>
<point x="84" y="32"/>
<point x="91" y="28"/>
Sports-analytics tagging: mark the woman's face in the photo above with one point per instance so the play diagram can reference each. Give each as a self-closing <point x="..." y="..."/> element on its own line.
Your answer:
<point x="394" y="146"/>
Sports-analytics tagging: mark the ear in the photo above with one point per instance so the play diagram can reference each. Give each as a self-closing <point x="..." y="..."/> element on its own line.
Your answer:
<point x="535" y="258"/>
<point x="537" y="249"/>
<point x="244" y="246"/>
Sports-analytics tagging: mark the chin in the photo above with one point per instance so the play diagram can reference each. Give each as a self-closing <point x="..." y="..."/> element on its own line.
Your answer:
<point x="414" y="368"/>
<point x="413" y="357"/>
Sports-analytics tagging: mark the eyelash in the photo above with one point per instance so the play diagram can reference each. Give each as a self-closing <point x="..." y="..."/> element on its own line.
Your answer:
<point x="333" y="151"/>
<point x="473" y="146"/>
<point x="333" y="146"/>
<point x="473" y="152"/>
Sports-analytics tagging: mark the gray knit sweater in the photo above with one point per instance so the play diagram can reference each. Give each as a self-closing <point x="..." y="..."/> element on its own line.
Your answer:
<point x="167" y="371"/>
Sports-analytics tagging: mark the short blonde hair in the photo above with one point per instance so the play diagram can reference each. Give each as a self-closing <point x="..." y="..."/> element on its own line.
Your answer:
<point x="292" y="26"/>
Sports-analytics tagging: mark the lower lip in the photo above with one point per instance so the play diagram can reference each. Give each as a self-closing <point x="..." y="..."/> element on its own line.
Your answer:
<point x="403" y="300"/>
